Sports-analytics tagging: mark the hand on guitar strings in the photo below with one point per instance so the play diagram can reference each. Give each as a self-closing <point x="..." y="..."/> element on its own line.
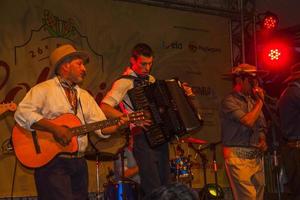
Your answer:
<point x="139" y="118"/>
<point x="62" y="135"/>
<point x="123" y="122"/>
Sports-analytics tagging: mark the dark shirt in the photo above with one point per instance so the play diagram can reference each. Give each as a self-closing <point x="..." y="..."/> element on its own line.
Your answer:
<point x="233" y="107"/>
<point x="289" y="111"/>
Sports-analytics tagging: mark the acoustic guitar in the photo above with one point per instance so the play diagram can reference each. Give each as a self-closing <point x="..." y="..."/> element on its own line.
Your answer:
<point x="7" y="107"/>
<point x="35" y="149"/>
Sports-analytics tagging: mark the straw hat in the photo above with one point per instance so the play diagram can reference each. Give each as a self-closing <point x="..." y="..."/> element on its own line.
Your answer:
<point x="295" y="73"/>
<point x="60" y="54"/>
<point x="245" y="69"/>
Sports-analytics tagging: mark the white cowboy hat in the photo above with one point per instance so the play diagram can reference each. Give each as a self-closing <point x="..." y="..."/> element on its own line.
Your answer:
<point x="245" y="69"/>
<point x="63" y="52"/>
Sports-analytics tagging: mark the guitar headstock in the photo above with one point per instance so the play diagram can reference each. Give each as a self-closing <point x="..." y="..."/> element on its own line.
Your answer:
<point x="7" y="107"/>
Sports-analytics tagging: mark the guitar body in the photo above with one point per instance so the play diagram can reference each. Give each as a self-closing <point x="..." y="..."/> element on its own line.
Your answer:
<point x="112" y="145"/>
<point x="25" y="149"/>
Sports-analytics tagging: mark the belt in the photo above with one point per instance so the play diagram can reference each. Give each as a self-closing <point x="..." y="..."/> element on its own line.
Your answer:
<point x="71" y="155"/>
<point x="246" y="153"/>
<point x="294" y="144"/>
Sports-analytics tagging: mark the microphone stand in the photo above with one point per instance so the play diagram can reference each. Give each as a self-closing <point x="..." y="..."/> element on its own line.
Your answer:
<point x="94" y="148"/>
<point x="275" y="144"/>
<point x="203" y="161"/>
<point x="212" y="147"/>
<point x="123" y="196"/>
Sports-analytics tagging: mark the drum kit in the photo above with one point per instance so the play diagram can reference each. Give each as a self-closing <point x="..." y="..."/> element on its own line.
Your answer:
<point x="113" y="190"/>
<point x="181" y="165"/>
<point x="112" y="149"/>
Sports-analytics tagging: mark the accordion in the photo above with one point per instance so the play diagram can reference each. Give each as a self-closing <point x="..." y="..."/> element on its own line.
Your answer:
<point x="171" y="111"/>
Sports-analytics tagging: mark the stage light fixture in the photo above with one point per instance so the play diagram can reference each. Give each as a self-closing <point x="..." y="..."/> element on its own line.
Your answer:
<point x="270" y="21"/>
<point x="275" y="54"/>
<point x="211" y="192"/>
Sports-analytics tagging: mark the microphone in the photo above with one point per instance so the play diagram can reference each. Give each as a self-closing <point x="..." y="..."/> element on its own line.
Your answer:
<point x="255" y="91"/>
<point x="257" y="96"/>
<point x="254" y="83"/>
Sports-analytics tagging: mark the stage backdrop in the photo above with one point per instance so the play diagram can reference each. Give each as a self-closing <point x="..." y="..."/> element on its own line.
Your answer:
<point x="193" y="47"/>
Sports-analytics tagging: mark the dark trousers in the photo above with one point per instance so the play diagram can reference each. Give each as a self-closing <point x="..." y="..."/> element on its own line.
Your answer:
<point x="291" y="163"/>
<point x="153" y="164"/>
<point x="62" y="178"/>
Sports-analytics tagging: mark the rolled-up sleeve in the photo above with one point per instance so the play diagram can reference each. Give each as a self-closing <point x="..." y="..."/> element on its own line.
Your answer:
<point x="117" y="92"/>
<point x="28" y="111"/>
<point x="231" y="108"/>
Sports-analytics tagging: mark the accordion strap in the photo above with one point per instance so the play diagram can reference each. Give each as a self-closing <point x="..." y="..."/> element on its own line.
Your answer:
<point x="137" y="82"/>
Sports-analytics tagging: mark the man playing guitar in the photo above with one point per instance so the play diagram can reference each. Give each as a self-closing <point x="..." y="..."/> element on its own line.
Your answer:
<point x="66" y="175"/>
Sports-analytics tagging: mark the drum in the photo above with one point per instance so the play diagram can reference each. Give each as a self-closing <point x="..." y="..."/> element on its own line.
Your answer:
<point x="181" y="168"/>
<point x="121" y="190"/>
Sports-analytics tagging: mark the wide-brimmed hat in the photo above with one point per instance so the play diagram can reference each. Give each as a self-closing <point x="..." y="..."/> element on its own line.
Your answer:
<point x="60" y="54"/>
<point x="295" y="73"/>
<point x="244" y="70"/>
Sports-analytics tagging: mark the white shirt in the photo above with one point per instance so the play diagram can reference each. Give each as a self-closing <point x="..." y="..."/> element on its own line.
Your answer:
<point x="48" y="100"/>
<point x="118" y="92"/>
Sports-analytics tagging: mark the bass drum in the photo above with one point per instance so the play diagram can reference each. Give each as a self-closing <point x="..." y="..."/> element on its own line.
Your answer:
<point x="112" y="145"/>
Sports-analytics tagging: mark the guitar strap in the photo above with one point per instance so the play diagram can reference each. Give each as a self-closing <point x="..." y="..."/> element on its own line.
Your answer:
<point x="35" y="142"/>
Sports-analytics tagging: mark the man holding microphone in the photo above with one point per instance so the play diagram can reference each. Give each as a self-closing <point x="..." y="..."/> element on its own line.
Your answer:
<point x="243" y="129"/>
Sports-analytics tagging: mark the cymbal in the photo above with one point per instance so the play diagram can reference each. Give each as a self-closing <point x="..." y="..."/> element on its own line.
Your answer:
<point x="101" y="156"/>
<point x="193" y="140"/>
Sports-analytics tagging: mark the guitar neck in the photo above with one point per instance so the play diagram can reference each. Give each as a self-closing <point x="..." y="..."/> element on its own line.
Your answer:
<point x="81" y="130"/>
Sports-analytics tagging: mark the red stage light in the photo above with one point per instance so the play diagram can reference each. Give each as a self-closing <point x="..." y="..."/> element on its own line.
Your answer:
<point x="276" y="54"/>
<point x="270" y="21"/>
